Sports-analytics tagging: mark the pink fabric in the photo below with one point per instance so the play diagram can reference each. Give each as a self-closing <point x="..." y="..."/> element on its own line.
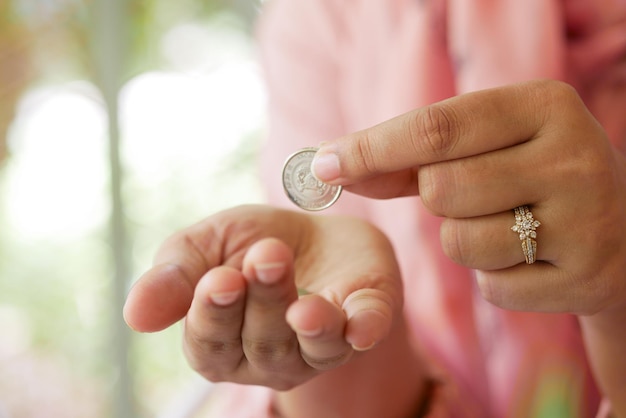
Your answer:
<point x="229" y="400"/>
<point x="335" y="66"/>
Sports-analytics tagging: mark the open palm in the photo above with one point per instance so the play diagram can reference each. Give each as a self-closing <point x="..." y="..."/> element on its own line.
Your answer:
<point x="235" y="277"/>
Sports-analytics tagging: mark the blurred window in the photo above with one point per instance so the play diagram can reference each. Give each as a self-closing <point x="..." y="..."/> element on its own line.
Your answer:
<point x="191" y="118"/>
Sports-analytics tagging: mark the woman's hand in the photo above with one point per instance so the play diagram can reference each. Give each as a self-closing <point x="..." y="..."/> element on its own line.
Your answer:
<point x="235" y="278"/>
<point x="474" y="158"/>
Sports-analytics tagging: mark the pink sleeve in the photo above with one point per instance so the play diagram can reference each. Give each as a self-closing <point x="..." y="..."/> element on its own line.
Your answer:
<point x="301" y="45"/>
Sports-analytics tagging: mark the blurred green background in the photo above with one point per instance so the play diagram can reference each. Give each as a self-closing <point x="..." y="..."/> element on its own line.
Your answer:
<point x="120" y="121"/>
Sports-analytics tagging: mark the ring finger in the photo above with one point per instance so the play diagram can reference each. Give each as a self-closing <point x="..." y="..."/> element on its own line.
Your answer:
<point x="489" y="243"/>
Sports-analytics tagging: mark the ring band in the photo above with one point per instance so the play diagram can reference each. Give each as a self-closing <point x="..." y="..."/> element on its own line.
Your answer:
<point x="526" y="226"/>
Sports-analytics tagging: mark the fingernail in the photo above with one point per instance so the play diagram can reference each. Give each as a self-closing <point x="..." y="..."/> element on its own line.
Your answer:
<point x="270" y="273"/>
<point x="363" y="348"/>
<point x="225" y="298"/>
<point x="325" y="167"/>
<point x="365" y="329"/>
<point x="309" y="333"/>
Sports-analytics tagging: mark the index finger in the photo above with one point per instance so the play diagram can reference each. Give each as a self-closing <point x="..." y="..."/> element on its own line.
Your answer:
<point x="458" y="127"/>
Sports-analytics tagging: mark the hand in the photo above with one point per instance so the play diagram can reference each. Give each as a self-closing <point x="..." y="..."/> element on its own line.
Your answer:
<point x="475" y="157"/>
<point x="235" y="277"/>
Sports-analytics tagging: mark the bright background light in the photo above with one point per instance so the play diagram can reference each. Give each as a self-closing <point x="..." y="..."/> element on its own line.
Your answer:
<point x="56" y="178"/>
<point x="190" y="130"/>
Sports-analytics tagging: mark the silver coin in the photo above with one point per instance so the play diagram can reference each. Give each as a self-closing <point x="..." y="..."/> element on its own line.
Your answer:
<point x="302" y="187"/>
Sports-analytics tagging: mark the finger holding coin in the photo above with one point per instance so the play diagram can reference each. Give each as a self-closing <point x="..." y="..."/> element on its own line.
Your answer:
<point x="302" y="187"/>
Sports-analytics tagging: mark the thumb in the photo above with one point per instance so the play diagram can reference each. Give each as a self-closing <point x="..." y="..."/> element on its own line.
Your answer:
<point x="160" y="298"/>
<point x="163" y="294"/>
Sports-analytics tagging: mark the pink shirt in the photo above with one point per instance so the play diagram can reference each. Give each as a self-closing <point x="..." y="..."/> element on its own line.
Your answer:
<point x="335" y="66"/>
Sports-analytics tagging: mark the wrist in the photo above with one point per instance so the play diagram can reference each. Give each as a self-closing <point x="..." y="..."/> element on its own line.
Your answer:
<point x="606" y="321"/>
<point x="606" y="343"/>
<point x="389" y="380"/>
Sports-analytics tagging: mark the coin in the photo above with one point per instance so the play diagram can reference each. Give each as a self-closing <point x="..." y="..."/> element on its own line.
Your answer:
<point x="302" y="187"/>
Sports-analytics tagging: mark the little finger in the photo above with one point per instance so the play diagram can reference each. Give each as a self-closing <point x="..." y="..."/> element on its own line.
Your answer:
<point x="540" y="287"/>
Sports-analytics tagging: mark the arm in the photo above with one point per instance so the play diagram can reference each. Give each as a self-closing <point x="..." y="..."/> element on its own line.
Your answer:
<point x="605" y="338"/>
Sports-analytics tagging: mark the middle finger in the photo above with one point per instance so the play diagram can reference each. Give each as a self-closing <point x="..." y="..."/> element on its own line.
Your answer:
<point x="485" y="184"/>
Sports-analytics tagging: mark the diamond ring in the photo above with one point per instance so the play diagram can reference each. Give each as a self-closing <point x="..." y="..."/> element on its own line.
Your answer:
<point x="526" y="226"/>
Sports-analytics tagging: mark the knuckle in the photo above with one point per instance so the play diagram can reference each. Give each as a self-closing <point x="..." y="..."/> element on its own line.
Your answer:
<point x="364" y="155"/>
<point x="597" y="293"/>
<point x="268" y="354"/>
<point x="594" y="279"/>
<point x="207" y="357"/>
<point x="594" y="170"/>
<point x="202" y="346"/>
<point x="433" y="182"/>
<point x="490" y="291"/>
<point x="560" y="92"/>
<point x="587" y="168"/>
<point x="556" y="97"/>
<point x="434" y="131"/>
<point x="454" y="244"/>
<point x="587" y="291"/>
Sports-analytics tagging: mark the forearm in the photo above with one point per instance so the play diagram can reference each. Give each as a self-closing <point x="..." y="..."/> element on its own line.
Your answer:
<point x="387" y="381"/>
<point x="605" y="338"/>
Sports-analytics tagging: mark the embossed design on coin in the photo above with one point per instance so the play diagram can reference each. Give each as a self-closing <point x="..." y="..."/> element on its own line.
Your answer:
<point x="302" y="187"/>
